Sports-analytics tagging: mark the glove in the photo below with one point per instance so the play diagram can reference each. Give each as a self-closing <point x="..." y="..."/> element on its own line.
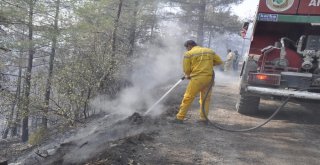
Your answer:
<point x="187" y="77"/>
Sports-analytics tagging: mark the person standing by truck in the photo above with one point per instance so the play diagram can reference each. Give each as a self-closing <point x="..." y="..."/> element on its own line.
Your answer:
<point x="228" y="63"/>
<point x="236" y="59"/>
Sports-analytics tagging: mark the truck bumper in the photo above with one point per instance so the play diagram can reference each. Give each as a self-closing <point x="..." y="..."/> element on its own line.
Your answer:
<point x="283" y="93"/>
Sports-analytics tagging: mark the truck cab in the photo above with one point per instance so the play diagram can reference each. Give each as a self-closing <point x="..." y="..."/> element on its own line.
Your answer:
<point x="284" y="54"/>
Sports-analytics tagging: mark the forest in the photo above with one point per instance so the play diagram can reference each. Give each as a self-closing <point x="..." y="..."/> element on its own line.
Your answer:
<point x="58" y="56"/>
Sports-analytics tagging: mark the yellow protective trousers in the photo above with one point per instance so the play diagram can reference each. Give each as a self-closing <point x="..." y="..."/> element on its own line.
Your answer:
<point x="198" y="84"/>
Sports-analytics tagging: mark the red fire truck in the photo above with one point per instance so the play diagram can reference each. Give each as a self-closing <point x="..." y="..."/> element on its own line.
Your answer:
<point x="284" y="54"/>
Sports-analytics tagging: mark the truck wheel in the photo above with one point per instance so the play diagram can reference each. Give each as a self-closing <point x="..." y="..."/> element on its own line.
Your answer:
<point x="248" y="105"/>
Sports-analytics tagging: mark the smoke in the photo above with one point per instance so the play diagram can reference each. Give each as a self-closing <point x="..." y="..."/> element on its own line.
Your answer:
<point x="227" y="78"/>
<point x="158" y="66"/>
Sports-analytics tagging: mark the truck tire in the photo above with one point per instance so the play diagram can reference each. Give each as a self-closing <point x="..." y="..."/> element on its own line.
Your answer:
<point x="248" y="105"/>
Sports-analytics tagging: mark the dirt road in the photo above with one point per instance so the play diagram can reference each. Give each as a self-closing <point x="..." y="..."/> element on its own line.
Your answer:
<point x="291" y="138"/>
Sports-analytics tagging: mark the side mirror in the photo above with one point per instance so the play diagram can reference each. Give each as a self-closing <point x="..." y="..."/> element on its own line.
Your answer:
<point x="244" y="29"/>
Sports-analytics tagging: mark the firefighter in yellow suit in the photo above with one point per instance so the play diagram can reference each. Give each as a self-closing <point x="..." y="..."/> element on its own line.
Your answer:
<point x="198" y="66"/>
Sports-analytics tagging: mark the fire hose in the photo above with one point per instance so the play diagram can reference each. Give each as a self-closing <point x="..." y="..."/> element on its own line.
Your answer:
<point x="156" y="103"/>
<point x="214" y="124"/>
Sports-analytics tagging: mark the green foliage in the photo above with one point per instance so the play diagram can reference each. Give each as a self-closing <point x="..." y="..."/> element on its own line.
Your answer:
<point x="13" y="12"/>
<point x="38" y="136"/>
<point x="93" y="17"/>
<point x="222" y="22"/>
<point x="217" y="12"/>
<point x="73" y="81"/>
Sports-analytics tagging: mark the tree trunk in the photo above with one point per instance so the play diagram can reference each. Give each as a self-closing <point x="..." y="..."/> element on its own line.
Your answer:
<point x="6" y="131"/>
<point x="25" y="107"/>
<point x="210" y="37"/>
<point x="115" y="30"/>
<point x="11" y="121"/>
<point x="132" y="37"/>
<point x="50" y="70"/>
<point x="85" y="109"/>
<point x="18" y="98"/>
<point x="202" y="12"/>
<point x="153" y="25"/>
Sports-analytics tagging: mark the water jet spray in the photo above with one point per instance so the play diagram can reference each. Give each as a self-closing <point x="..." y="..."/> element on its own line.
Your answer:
<point x="156" y="103"/>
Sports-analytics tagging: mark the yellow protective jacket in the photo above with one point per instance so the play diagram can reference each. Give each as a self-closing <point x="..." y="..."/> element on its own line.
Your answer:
<point x="199" y="61"/>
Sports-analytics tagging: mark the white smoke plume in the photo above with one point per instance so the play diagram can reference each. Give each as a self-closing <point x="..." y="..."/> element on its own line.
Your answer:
<point x="157" y="67"/>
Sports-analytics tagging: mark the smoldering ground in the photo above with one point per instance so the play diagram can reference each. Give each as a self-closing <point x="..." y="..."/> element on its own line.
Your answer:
<point x="101" y="142"/>
<point x="157" y="68"/>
